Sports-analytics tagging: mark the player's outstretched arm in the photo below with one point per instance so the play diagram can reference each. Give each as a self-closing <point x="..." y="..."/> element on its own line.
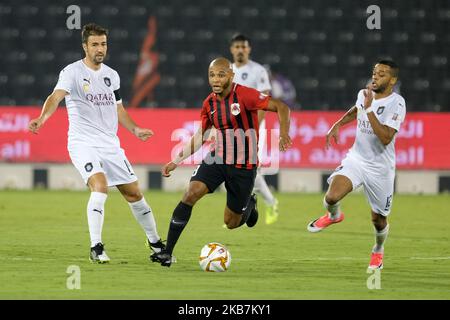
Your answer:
<point x="189" y="149"/>
<point x="283" y="111"/>
<point x="126" y="121"/>
<point x="348" y="117"/>
<point x="262" y="113"/>
<point x="383" y="132"/>
<point x="50" y="106"/>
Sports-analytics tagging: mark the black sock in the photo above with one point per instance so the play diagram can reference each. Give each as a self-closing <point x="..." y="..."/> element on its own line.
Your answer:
<point x="180" y="218"/>
<point x="248" y="210"/>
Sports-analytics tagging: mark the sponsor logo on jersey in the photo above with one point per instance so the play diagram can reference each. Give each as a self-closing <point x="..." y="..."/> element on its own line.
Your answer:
<point x="101" y="99"/>
<point x="364" y="126"/>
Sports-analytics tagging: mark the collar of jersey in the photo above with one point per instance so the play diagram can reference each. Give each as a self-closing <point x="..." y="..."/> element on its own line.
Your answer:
<point x="84" y="64"/>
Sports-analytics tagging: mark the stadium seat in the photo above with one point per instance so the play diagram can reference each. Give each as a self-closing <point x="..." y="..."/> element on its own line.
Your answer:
<point x="312" y="42"/>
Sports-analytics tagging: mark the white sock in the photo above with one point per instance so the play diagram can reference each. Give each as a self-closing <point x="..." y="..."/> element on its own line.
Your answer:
<point x="262" y="187"/>
<point x="96" y="216"/>
<point x="144" y="215"/>
<point x="334" y="211"/>
<point x="380" y="238"/>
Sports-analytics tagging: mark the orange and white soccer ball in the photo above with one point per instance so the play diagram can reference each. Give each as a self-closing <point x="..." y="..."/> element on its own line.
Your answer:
<point x="215" y="257"/>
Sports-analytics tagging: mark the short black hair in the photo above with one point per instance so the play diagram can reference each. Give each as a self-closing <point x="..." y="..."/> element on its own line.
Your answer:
<point x="394" y="66"/>
<point x="239" y="37"/>
<point x="92" y="29"/>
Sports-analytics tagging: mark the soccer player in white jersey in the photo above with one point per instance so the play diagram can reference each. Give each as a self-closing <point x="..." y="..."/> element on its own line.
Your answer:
<point x="251" y="74"/>
<point x="371" y="161"/>
<point x="94" y="106"/>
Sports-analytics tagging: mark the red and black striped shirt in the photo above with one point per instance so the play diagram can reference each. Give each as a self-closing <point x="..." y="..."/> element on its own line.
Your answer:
<point x="236" y="119"/>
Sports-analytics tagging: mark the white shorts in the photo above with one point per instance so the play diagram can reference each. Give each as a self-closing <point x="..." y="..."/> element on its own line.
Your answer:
<point x="378" y="186"/>
<point x="110" y="161"/>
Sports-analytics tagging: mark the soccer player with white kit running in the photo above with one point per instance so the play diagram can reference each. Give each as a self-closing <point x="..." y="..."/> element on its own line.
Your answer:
<point x="371" y="161"/>
<point x="94" y="107"/>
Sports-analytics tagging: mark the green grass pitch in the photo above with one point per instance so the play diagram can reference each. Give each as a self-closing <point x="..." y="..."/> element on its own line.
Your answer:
<point x="42" y="233"/>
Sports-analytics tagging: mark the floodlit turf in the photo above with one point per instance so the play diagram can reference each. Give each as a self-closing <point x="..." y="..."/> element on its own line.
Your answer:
<point x="42" y="233"/>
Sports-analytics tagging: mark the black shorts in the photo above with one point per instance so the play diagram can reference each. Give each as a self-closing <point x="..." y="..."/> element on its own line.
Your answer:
<point x="238" y="182"/>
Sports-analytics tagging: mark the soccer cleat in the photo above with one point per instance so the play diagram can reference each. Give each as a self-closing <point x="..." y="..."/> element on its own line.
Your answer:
<point x="98" y="254"/>
<point x="376" y="261"/>
<point x="323" y="222"/>
<point x="272" y="213"/>
<point x="253" y="218"/>
<point x="157" y="247"/>
<point x="162" y="257"/>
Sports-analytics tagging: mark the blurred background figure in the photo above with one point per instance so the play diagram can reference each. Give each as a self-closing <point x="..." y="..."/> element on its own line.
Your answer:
<point x="147" y="76"/>
<point x="283" y="88"/>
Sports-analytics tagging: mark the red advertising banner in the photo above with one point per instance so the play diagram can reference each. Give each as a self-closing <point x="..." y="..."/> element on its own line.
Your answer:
<point x="422" y="142"/>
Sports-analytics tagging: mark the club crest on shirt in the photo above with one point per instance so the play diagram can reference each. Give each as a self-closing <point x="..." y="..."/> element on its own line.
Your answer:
<point x="107" y="81"/>
<point x="244" y="75"/>
<point x="235" y="109"/>
<point x="380" y="110"/>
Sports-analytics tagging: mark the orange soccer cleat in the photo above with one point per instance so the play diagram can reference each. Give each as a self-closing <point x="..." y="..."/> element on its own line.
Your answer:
<point x="323" y="222"/>
<point x="376" y="260"/>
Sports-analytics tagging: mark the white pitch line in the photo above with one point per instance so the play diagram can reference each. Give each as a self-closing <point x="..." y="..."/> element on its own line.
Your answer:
<point x="268" y="260"/>
<point x="430" y="258"/>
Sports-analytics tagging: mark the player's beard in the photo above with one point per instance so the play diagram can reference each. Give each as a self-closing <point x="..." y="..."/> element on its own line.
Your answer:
<point x="380" y="89"/>
<point x="98" y="59"/>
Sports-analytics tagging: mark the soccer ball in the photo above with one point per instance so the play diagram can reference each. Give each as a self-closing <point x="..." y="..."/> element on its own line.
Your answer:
<point x="215" y="257"/>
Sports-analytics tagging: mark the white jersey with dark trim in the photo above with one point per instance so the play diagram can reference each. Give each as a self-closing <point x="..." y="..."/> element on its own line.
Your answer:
<point x="252" y="75"/>
<point x="367" y="148"/>
<point x="91" y="104"/>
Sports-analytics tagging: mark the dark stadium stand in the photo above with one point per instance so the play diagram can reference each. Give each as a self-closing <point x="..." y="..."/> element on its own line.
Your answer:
<point x="323" y="46"/>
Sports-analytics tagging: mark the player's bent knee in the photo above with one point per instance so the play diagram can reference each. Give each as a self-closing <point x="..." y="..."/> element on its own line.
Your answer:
<point x="133" y="196"/>
<point x="192" y="196"/>
<point x="98" y="183"/>
<point x="378" y="220"/>
<point x="232" y="224"/>
<point x="232" y="220"/>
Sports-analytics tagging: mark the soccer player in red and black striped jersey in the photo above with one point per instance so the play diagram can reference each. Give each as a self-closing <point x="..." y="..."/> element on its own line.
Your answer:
<point x="232" y="110"/>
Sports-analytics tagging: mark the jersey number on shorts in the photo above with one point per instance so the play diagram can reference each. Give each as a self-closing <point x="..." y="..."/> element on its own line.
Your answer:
<point x="388" y="202"/>
<point x="195" y="171"/>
